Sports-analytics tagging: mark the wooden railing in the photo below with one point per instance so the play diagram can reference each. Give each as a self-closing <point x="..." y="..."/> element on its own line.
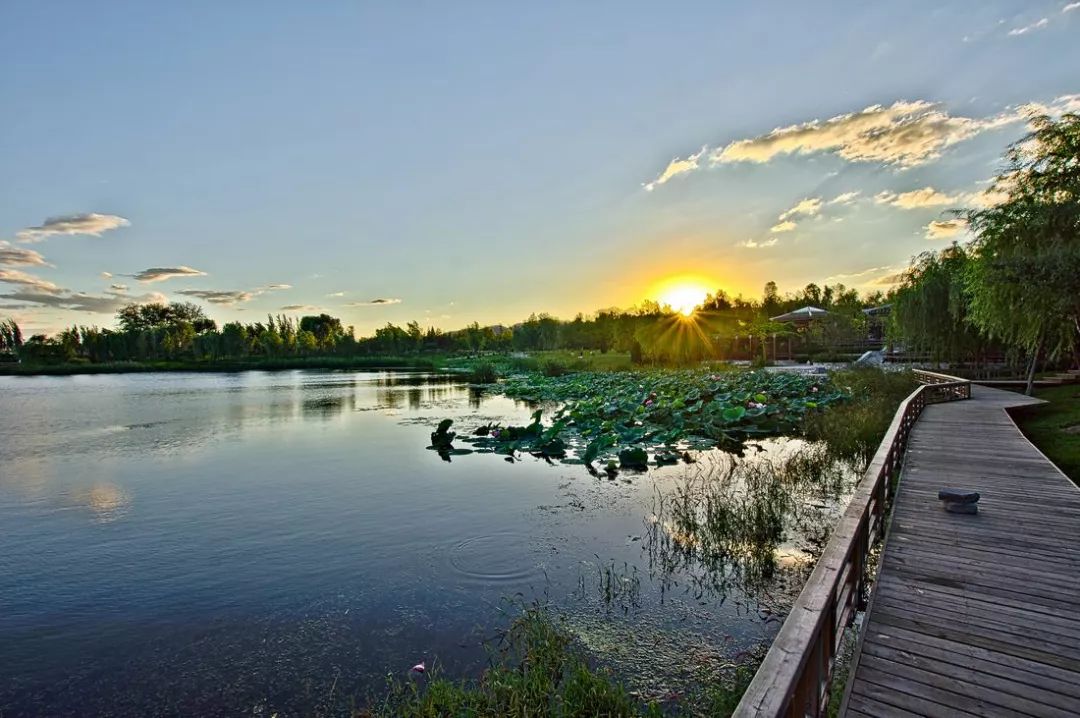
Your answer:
<point x="794" y="678"/>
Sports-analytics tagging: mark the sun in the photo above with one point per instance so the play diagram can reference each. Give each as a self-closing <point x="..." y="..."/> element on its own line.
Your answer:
<point x="683" y="297"/>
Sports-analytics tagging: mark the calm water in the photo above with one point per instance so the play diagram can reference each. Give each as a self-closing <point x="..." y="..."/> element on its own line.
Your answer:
<point x="265" y="543"/>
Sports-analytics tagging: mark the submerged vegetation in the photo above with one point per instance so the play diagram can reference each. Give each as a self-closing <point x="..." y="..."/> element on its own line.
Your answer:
<point x="539" y="670"/>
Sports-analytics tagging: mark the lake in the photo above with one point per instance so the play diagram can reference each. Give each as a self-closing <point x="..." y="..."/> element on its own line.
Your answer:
<point x="261" y="543"/>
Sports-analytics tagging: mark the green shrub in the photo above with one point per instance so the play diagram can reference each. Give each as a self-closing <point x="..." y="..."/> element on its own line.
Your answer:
<point x="484" y="373"/>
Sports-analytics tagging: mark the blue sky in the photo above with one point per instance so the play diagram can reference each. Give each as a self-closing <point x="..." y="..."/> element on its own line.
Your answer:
<point x="482" y="160"/>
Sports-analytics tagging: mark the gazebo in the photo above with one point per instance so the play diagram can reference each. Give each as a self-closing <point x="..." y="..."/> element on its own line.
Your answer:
<point x="800" y="316"/>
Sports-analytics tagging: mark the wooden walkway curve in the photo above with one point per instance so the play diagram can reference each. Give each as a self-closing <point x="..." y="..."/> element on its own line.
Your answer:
<point x="974" y="615"/>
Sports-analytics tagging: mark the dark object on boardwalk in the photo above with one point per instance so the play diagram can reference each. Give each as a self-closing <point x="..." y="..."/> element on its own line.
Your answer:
<point x="958" y="496"/>
<point x="956" y="508"/>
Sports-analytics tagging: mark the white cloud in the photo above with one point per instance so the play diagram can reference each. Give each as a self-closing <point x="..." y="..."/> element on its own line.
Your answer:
<point x="336" y="294"/>
<point x="786" y="226"/>
<point x="1070" y="7"/>
<point x="37" y="284"/>
<point x="160" y="274"/>
<point x="82" y="302"/>
<point x="19" y="257"/>
<point x="93" y="223"/>
<point x="916" y="198"/>
<point x="808" y="207"/>
<point x="845" y="198"/>
<point x="106" y="275"/>
<point x="227" y="296"/>
<point x="1037" y="25"/>
<point x="904" y="134"/>
<point x="754" y="244"/>
<point x="380" y="302"/>
<point x="945" y="228"/>
<point x="676" y="167"/>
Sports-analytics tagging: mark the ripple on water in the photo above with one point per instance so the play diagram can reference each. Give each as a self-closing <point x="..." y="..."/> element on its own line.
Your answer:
<point x="499" y="558"/>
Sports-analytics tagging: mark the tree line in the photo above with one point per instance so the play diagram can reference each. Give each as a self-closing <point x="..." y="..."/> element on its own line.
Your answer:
<point x="649" y="332"/>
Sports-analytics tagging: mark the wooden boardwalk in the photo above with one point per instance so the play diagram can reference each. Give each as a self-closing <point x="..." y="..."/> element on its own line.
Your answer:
<point x="975" y="615"/>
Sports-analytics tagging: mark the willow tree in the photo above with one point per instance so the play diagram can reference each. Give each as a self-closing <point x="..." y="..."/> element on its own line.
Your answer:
<point x="10" y="337"/>
<point x="931" y="307"/>
<point x="1024" y="274"/>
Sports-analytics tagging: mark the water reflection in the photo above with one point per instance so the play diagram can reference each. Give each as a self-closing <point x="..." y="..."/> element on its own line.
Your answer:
<point x="106" y="501"/>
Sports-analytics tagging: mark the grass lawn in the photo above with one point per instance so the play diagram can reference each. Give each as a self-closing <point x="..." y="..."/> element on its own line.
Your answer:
<point x="1055" y="427"/>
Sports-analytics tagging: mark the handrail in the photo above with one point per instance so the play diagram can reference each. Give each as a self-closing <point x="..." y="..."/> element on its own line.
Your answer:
<point x="794" y="678"/>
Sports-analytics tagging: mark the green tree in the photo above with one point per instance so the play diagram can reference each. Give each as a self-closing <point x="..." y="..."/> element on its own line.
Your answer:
<point x="1022" y="279"/>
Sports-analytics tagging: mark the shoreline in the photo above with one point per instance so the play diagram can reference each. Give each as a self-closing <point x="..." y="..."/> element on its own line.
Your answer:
<point x="221" y="366"/>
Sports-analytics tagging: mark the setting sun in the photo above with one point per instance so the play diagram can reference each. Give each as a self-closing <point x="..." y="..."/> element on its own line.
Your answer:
<point x="682" y="294"/>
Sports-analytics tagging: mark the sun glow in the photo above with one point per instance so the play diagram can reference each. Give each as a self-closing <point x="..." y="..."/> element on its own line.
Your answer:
<point x="683" y="296"/>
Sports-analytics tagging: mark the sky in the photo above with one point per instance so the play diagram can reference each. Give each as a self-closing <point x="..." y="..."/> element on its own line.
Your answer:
<point x="480" y="161"/>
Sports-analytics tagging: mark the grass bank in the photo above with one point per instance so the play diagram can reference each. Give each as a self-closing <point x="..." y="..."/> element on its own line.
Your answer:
<point x="1054" y="427"/>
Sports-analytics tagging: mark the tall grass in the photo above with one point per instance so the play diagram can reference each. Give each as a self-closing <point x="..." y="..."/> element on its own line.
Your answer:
<point x="852" y="430"/>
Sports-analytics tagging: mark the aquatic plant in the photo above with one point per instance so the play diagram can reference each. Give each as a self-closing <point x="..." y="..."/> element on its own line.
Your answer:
<point x="627" y="415"/>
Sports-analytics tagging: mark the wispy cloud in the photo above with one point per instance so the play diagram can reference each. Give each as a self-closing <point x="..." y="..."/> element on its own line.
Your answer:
<point x="82" y="302"/>
<point x="380" y="302"/>
<point x="1070" y="7"/>
<point x="785" y="226"/>
<point x="945" y="228"/>
<point x="277" y="287"/>
<point x="904" y="134"/>
<point x="916" y="198"/>
<point x="754" y="244"/>
<point x="93" y="223"/>
<point x="336" y="294"/>
<point x="215" y="296"/>
<point x="857" y="275"/>
<point x="160" y="274"/>
<point x="299" y="308"/>
<point x="808" y="207"/>
<point x="1037" y="25"/>
<point x="845" y="198"/>
<point x="18" y="257"/>
<point x="37" y="284"/>
<point x="887" y="280"/>
<point x="676" y="167"/>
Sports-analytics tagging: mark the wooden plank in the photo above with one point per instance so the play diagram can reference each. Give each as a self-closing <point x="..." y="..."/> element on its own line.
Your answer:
<point x="959" y="692"/>
<point x="1038" y="685"/>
